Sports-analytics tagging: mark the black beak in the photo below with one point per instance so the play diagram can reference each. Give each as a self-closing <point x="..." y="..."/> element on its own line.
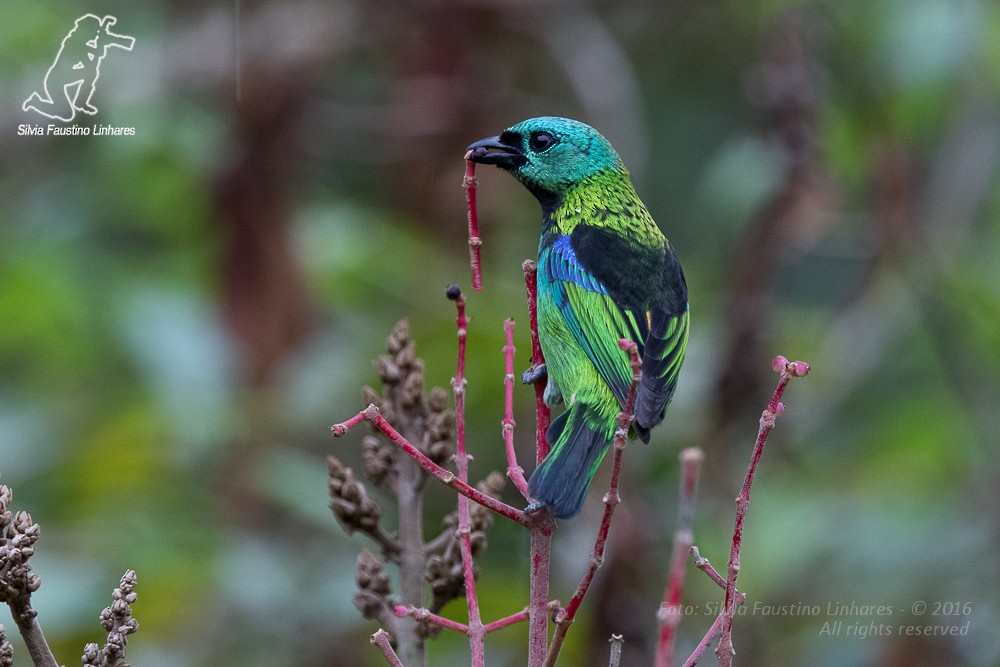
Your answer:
<point x="492" y="150"/>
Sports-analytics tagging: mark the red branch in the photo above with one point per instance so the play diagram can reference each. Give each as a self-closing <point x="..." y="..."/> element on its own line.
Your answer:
<point x="514" y="471"/>
<point x="706" y="641"/>
<point x="540" y="549"/>
<point x="477" y="635"/>
<point x="670" y="610"/>
<point x="542" y="413"/>
<point x="540" y="545"/>
<point x="611" y="499"/>
<point x="705" y="566"/>
<point x="788" y="370"/>
<point x="502" y="623"/>
<point x="425" y="615"/>
<point x="446" y="477"/>
<point x="470" y="183"/>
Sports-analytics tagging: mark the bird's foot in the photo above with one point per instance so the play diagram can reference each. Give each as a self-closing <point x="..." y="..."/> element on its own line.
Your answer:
<point x="534" y="374"/>
<point x="534" y="506"/>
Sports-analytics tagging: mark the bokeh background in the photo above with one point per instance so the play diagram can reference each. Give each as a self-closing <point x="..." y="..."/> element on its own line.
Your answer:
<point x="184" y="312"/>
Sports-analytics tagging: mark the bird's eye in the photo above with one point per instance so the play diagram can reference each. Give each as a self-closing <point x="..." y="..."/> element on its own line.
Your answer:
<point x="540" y="142"/>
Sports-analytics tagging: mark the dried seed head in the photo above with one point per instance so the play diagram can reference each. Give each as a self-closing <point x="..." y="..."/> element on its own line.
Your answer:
<point x="349" y="499"/>
<point x="373" y="585"/>
<point x="378" y="460"/>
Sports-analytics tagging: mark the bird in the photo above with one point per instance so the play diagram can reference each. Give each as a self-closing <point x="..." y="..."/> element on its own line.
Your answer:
<point x="605" y="272"/>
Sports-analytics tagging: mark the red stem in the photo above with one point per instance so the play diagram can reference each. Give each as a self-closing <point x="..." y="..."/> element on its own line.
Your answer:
<point x="502" y="623"/>
<point x="422" y="614"/>
<point x="706" y="641"/>
<point x="540" y="545"/>
<point x="542" y="413"/>
<point x="611" y="499"/>
<point x="470" y="183"/>
<point x="514" y="471"/>
<point x="446" y="477"/>
<point x="705" y="566"/>
<point x="475" y="629"/>
<point x="725" y="650"/>
<point x="670" y="611"/>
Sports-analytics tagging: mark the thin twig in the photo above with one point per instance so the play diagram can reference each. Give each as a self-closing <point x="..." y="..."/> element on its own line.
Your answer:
<point x="540" y="541"/>
<point x="446" y="477"/>
<point x="788" y="370"/>
<point x="427" y="616"/>
<point x="611" y="499"/>
<point x="670" y="610"/>
<point x="616" y="642"/>
<point x="514" y="471"/>
<point x="702" y="564"/>
<point x="506" y="621"/>
<point x="475" y="631"/>
<point x="381" y="640"/>
<point x="542" y="413"/>
<point x="470" y="183"/>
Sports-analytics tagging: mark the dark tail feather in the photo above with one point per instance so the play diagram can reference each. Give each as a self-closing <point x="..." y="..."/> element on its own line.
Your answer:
<point x="661" y="363"/>
<point x="560" y="482"/>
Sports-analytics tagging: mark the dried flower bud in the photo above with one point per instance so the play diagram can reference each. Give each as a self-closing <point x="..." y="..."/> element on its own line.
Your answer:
<point x="373" y="585"/>
<point x="349" y="499"/>
<point x="446" y="578"/>
<point x="92" y="655"/>
<point x="407" y="357"/>
<point x="413" y="387"/>
<point x="437" y="400"/>
<point x="378" y="460"/>
<point x="6" y="650"/>
<point x="387" y="370"/>
<point x="399" y="336"/>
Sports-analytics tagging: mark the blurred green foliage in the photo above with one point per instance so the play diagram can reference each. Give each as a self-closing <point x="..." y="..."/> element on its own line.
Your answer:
<point x="183" y="312"/>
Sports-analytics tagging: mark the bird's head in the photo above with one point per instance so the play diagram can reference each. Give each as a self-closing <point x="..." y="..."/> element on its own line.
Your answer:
<point x="548" y="154"/>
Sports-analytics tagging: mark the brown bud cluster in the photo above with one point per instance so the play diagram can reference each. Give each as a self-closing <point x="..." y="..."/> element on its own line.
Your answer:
<point x="118" y="622"/>
<point x="373" y="585"/>
<point x="18" y="534"/>
<point x="424" y="420"/>
<point x="6" y="650"/>
<point x="349" y="500"/>
<point x="444" y="571"/>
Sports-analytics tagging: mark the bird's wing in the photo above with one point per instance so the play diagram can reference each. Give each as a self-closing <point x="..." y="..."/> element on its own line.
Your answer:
<point x="646" y="288"/>
<point x="595" y="320"/>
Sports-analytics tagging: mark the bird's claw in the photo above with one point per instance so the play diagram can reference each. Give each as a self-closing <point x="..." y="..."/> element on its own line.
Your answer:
<point x="534" y="506"/>
<point x="534" y="374"/>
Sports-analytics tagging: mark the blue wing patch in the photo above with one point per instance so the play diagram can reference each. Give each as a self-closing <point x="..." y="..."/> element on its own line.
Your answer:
<point x="566" y="267"/>
<point x="595" y="321"/>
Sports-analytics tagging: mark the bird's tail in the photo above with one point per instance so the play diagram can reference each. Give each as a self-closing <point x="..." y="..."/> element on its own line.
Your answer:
<point x="578" y="445"/>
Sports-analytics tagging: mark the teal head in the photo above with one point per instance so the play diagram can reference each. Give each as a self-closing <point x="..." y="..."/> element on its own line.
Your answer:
<point x="548" y="154"/>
